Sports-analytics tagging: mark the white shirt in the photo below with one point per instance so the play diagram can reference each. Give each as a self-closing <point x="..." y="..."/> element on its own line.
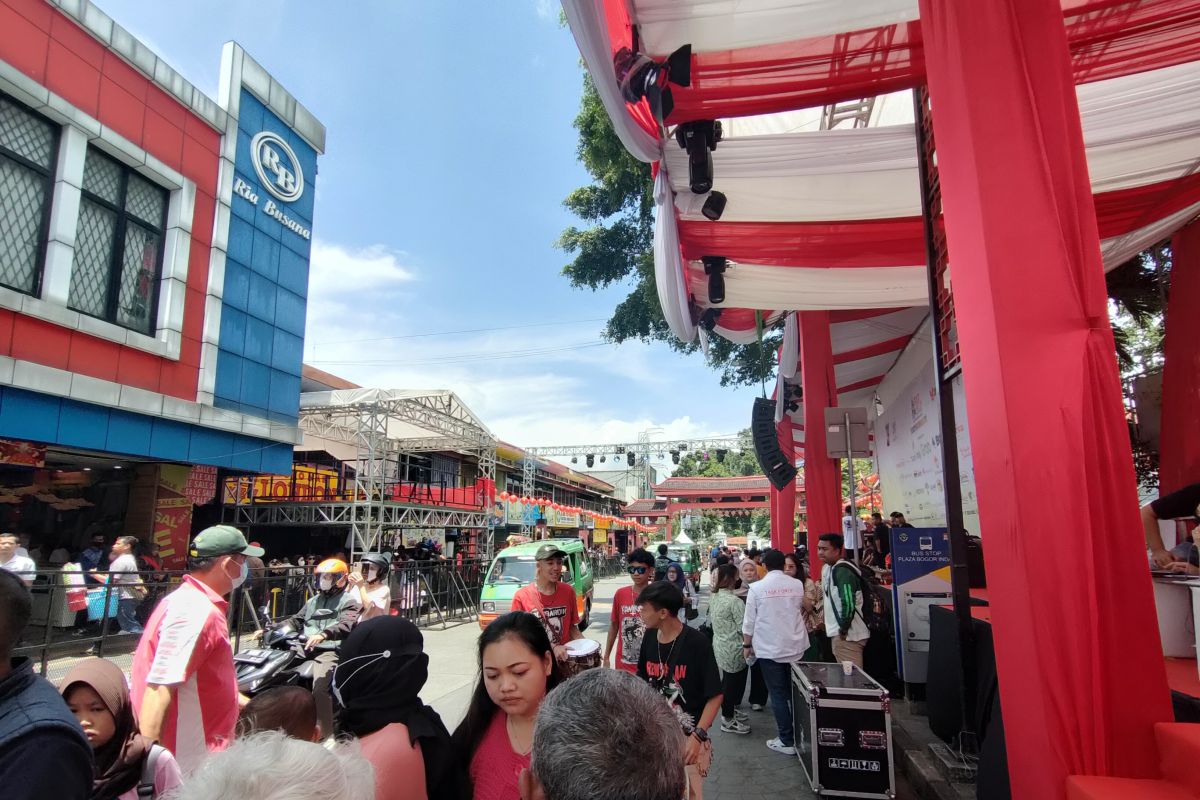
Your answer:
<point x="21" y="566"/>
<point x="774" y="617"/>
<point x="851" y="526"/>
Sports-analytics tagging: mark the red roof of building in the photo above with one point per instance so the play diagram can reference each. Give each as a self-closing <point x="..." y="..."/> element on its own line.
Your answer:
<point x="325" y="379"/>
<point x="675" y="487"/>
<point x="646" y="507"/>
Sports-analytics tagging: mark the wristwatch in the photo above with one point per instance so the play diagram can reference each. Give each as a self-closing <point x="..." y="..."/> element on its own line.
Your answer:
<point x="747" y="646"/>
<point x="700" y="733"/>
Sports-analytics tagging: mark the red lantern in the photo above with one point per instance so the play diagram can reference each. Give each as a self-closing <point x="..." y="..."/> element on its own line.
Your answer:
<point x="504" y="495"/>
<point x="525" y="501"/>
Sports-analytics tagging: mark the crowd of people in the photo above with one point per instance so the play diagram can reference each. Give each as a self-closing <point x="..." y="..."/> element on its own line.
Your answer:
<point x="180" y="727"/>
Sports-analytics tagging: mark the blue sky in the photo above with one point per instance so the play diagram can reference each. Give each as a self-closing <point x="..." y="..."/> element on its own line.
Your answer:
<point x="449" y="151"/>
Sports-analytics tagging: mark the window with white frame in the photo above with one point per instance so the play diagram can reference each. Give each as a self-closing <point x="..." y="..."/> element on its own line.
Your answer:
<point x="118" y="244"/>
<point x="28" y="151"/>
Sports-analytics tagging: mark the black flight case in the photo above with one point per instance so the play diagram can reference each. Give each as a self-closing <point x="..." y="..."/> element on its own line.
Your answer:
<point x="843" y="731"/>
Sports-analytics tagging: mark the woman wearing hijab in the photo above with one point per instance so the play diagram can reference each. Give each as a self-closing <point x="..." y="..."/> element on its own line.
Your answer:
<point x="381" y="670"/>
<point x="676" y="576"/>
<point x="96" y="692"/>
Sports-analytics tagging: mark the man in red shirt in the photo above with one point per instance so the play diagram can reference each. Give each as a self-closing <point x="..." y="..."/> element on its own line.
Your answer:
<point x="626" y="614"/>
<point x="551" y="600"/>
<point x="183" y="681"/>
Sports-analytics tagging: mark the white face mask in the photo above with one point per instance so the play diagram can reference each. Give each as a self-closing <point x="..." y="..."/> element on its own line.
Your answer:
<point x="241" y="576"/>
<point x="325" y="582"/>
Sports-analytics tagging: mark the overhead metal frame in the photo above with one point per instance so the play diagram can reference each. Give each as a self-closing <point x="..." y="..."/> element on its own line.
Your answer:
<point x="364" y="423"/>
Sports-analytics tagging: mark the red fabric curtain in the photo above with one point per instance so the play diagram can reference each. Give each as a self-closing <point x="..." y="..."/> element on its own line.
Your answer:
<point x="1108" y="38"/>
<point x="1081" y="672"/>
<point x="900" y="242"/>
<point x="783" y="501"/>
<point x="822" y="480"/>
<point x="1179" y="451"/>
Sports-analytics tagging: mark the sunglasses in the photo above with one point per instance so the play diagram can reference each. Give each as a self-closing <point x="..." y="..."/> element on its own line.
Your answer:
<point x="637" y="570"/>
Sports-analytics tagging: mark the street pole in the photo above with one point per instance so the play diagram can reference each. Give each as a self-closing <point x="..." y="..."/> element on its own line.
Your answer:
<point x="853" y="497"/>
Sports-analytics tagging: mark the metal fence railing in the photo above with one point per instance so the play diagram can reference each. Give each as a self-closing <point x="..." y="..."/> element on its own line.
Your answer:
<point x="76" y="616"/>
<point x="604" y="566"/>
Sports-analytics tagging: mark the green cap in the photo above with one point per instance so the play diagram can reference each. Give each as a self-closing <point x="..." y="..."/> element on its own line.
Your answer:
<point x="549" y="551"/>
<point x="221" y="540"/>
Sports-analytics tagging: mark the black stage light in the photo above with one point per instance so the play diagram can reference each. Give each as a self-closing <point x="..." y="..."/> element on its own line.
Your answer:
<point x="602" y="459"/>
<point x="591" y="460"/>
<point x="574" y="459"/>
<point x="709" y="319"/>
<point x="630" y="459"/>
<point x="683" y="446"/>
<point x="641" y="76"/>
<point x="675" y="456"/>
<point x="714" y="268"/>
<point x="714" y="206"/>
<point x="699" y="138"/>
<point x="620" y="451"/>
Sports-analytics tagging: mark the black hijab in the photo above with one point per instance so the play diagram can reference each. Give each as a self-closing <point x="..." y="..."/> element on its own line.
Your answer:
<point x="377" y="689"/>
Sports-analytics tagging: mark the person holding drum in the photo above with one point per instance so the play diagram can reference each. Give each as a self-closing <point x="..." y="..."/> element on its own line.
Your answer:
<point x="517" y="669"/>
<point x="551" y="600"/>
<point x="626" y="627"/>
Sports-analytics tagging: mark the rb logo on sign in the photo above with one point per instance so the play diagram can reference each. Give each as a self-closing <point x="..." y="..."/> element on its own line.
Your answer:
<point x="277" y="166"/>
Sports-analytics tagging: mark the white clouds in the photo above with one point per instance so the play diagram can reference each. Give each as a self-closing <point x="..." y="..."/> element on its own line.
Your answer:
<point x="546" y="9"/>
<point x="368" y="322"/>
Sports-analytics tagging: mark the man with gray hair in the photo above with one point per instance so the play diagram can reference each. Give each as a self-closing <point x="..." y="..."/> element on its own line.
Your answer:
<point x="605" y="735"/>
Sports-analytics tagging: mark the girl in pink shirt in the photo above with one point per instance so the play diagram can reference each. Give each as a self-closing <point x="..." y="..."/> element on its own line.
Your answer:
<point x="517" y="669"/>
<point x="382" y="667"/>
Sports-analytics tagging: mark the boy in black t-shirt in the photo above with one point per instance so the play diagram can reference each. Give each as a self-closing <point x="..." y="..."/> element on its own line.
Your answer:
<point x="677" y="661"/>
<point x="1179" y="504"/>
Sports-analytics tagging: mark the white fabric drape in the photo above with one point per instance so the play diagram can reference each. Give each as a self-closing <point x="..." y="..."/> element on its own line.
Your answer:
<point x="789" y="352"/>
<point x="587" y="23"/>
<point x="845" y="337"/>
<point x="668" y="264"/>
<point x="803" y="289"/>
<point x="715" y="25"/>
<point x="871" y="173"/>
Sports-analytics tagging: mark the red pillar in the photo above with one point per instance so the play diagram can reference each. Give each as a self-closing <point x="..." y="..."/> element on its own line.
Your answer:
<point x="1179" y="448"/>
<point x="783" y="501"/>
<point x="822" y="479"/>
<point x="1081" y="672"/>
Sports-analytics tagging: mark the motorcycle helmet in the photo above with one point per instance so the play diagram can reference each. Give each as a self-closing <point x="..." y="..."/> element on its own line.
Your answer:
<point x="331" y="575"/>
<point x="381" y="563"/>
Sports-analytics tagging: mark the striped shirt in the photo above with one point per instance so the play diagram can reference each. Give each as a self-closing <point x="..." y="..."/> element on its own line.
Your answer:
<point x="186" y="646"/>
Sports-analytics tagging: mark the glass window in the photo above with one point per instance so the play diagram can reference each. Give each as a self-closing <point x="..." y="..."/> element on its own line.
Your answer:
<point x="28" y="149"/>
<point x="118" y="246"/>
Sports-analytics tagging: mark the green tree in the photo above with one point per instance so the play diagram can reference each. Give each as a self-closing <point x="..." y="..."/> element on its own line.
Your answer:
<point x="615" y="247"/>
<point x="738" y="462"/>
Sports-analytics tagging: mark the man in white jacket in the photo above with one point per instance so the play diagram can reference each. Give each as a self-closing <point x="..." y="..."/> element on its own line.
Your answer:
<point x="773" y="630"/>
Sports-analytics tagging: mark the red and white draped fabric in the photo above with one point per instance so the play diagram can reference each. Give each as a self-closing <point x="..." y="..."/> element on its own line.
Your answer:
<point x="828" y="222"/>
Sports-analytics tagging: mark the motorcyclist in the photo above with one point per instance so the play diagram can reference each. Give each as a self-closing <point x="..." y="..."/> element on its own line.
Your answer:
<point x="323" y="632"/>
<point x="331" y="580"/>
<point x="371" y="586"/>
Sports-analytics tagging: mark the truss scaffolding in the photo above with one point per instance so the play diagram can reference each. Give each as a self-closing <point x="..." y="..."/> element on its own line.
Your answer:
<point x="380" y="425"/>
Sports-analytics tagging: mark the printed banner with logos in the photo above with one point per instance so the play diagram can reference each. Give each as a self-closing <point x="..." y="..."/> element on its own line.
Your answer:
<point x="201" y="485"/>
<point x="908" y="447"/>
<point x="921" y="578"/>
<point x="413" y="537"/>
<point x="599" y="537"/>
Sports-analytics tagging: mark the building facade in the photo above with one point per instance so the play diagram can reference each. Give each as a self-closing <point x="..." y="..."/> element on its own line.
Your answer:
<point x="154" y="249"/>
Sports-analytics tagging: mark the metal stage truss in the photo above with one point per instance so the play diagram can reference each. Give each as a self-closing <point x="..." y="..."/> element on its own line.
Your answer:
<point x="644" y="450"/>
<point x="381" y="425"/>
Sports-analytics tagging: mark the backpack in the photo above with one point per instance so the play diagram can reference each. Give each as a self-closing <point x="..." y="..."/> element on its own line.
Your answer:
<point x="661" y="563"/>
<point x="145" y="786"/>
<point x="874" y="612"/>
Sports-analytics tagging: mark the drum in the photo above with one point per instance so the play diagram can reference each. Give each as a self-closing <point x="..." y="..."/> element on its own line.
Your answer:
<point x="581" y="654"/>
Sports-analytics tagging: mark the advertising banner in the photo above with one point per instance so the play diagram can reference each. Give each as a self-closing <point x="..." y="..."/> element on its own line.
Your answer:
<point x="305" y="483"/>
<point x="201" y="485"/>
<point x="600" y="537"/>
<point x="24" y="454"/>
<point x="563" y="519"/>
<point x="412" y="537"/>
<point x="908" y="447"/>
<point x="172" y="515"/>
<point x="921" y="578"/>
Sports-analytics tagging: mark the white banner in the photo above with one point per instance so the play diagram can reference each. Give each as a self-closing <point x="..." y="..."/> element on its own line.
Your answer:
<point x="908" y="445"/>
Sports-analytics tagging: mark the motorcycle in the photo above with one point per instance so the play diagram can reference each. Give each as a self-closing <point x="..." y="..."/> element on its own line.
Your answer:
<point x="281" y="661"/>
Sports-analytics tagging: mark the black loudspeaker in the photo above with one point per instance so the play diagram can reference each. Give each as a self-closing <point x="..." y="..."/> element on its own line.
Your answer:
<point x="775" y="465"/>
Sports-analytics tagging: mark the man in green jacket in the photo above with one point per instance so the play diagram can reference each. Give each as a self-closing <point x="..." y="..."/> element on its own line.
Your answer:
<point x="842" y="586"/>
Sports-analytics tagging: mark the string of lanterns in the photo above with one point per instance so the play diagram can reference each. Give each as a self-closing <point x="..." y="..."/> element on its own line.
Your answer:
<point x="510" y="497"/>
